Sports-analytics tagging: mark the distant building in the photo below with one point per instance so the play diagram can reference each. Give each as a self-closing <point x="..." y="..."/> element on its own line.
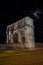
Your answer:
<point x="21" y="34"/>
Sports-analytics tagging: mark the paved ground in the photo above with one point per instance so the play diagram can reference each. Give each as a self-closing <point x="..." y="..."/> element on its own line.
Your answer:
<point x="21" y="57"/>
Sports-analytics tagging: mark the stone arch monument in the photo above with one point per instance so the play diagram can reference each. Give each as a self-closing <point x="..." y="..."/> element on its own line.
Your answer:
<point x="23" y="32"/>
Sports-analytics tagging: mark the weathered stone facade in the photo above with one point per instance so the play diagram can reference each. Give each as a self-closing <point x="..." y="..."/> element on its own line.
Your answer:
<point x="21" y="34"/>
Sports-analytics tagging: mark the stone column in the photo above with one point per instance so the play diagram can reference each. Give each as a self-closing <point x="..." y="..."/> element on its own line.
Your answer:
<point x="19" y="40"/>
<point x="26" y="39"/>
<point x="11" y="38"/>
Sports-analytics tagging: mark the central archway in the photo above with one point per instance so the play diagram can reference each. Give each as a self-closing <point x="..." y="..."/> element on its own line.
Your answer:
<point x="15" y="38"/>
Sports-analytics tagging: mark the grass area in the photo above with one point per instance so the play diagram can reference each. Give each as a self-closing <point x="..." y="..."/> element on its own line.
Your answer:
<point x="21" y="57"/>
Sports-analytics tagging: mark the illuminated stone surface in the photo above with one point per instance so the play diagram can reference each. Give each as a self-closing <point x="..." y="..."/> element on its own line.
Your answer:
<point x="21" y="34"/>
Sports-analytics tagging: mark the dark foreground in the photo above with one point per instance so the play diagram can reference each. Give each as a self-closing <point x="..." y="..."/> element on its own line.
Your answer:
<point x="21" y="57"/>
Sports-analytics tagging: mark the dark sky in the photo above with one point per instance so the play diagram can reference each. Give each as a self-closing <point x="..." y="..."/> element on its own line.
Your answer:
<point x="18" y="9"/>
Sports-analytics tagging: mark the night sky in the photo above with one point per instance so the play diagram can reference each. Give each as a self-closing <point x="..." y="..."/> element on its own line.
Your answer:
<point x="11" y="12"/>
